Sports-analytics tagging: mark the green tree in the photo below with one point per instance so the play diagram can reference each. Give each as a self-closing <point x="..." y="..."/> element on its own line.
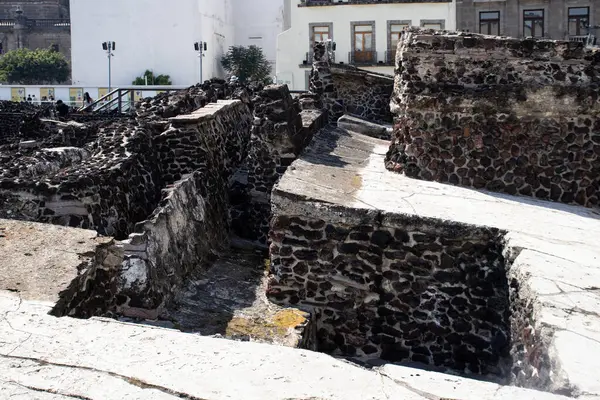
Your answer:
<point x="34" y="67"/>
<point x="248" y="64"/>
<point x="162" y="80"/>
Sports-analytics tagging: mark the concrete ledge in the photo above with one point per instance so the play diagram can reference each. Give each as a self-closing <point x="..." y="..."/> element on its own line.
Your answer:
<point x="55" y="358"/>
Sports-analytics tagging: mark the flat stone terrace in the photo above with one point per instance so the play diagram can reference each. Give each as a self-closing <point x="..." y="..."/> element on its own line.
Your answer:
<point x="553" y="246"/>
<point x="39" y="261"/>
<point x="48" y="358"/>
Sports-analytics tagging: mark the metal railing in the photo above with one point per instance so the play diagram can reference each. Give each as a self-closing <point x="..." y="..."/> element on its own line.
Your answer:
<point x="362" y="57"/>
<point x="37" y="23"/>
<point x="49" y="23"/>
<point x="390" y="57"/>
<point x="121" y="100"/>
<point x="588" y="40"/>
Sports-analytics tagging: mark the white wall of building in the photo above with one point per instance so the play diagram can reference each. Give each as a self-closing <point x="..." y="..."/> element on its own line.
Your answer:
<point x="293" y="44"/>
<point x="149" y="34"/>
<point x="259" y="22"/>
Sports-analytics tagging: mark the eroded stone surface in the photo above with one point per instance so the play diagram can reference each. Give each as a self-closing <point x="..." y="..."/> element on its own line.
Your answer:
<point x="229" y="299"/>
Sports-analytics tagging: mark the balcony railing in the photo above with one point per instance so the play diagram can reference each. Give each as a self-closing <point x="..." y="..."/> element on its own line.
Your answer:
<point x="50" y="23"/>
<point x="588" y="40"/>
<point x="362" y="57"/>
<point x="36" y="23"/>
<point x="390" y="57"/>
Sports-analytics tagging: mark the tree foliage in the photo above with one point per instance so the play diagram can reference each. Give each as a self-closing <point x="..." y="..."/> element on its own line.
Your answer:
<point x="34" y="67"/>
<point x="248" y="64"/>
<point x="162" y="80"/>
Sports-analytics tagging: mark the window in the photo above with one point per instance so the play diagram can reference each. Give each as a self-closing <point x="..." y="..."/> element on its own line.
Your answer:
<point x="489" y="22"/>
<point x="321" y="33"/>
<point x="396" y="34"/>
<point x="436" y="26"/>
<point x="363" y="43"/>
<point x="579" y="19"/>
<point x="533" y="23"/>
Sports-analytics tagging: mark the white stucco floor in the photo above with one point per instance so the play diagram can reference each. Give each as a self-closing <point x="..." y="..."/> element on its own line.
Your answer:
<point x="556" y="246"/>
<point x="43" y="357"/>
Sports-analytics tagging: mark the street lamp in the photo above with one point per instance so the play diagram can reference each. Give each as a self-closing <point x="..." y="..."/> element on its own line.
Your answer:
<point x="200" y="47"/>
<point x="109" y="47"/>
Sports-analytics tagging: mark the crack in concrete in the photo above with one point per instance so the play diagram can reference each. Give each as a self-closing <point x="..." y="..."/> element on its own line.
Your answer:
<point x="405" y="385"/>
<point x="5" y="319"/>
<point x="51" y="391"/>
<point x="132" y="381"/>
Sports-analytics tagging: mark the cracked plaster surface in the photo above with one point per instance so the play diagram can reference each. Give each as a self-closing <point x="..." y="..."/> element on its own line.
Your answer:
<point x="43" y="357"/>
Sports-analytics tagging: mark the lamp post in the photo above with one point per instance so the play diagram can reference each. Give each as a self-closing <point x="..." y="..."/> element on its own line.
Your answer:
<point x="200" y="47"/>
<point x="109" y="47"/>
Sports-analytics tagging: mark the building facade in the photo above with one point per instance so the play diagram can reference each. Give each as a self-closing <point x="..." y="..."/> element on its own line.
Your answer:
<point x="35" y="24"/>
<point x="258" y="22"/>
<point x="365" y="32"/>
<point x="555" y="19"/>
<point x="159" y="35"/>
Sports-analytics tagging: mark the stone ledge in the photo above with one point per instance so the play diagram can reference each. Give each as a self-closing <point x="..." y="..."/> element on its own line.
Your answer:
<point x="40" y="261"/>
<point x="36" y="349"/>
<point x="210" y="111"/>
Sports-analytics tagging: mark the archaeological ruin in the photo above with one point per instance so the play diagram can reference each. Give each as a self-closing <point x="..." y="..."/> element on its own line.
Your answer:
<point x="432" y="235"/>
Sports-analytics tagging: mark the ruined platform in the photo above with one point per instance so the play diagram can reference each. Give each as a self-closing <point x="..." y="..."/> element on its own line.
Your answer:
<point x="47" y="358"/>
<point x="229" y="299"/>
<point x="550" y="251"/>
<point x="40" y="261"/>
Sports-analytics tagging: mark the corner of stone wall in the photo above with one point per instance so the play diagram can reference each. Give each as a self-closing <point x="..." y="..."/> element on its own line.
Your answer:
<point x="93" y="292"/>
<point x="280" y="132"/>
<point x="533" y="364"/>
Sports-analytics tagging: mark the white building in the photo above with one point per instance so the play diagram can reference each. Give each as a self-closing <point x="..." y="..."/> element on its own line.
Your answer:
<point x="159" y="35"/>
<point x="365" y="32"/>
<point x="258" y="22"/>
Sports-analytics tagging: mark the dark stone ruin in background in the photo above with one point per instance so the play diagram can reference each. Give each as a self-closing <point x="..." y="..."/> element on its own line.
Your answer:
<point x="507" y="115"/>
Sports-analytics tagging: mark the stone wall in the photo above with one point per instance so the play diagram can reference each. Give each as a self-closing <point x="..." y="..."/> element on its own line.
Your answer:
<point x="113" y="179"/>
<point x="109" y="191"/>
<point x="17" y="119"/>
<point x="186" y="232"/>
<point x="364" y="94"/>
<point x="343" y="90"/>
<point x="507" y="115"/>
<point x="394" y="287"/>
<point x="201" y="151"/>
<point x="279" y="134"/>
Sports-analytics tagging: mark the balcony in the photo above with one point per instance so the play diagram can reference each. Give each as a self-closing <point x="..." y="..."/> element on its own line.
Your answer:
<point x="587" y="40"/>
<point x="44" y="24"/>
<point x="362" y="57"/>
